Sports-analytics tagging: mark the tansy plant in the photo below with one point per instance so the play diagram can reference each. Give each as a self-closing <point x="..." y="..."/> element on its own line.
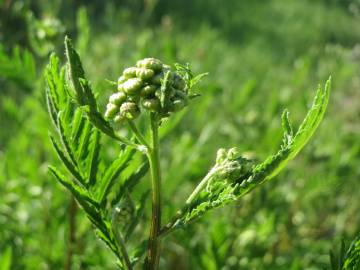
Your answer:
<point x="104" y="189"/>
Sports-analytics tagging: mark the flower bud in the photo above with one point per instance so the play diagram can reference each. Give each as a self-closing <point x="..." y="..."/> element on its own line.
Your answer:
<point x="121" y="79"/>
<point x="150" y="63"/>
<point x="132" y="86"/>
<point x="152" y="104"/>
<point x="178" y="82"/>
<point x="157" y="79"/>
<point x="148" y="90"/>
<point x="111" y="110"/>
<point x="177" y="105"/>
<point x="220" y="155"/>
<point x="129" y="110"/>
<point x="119" y="119"/>
<point x="233" y="153"/>
<point x="130" y="72"/>
<point x="134" y="98"/>
<point x="144" y="73"/>
<point x="180" y="94"/>
<point x="117" y="98"/>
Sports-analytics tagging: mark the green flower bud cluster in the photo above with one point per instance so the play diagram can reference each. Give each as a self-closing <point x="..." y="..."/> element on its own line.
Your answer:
<point x="232" y="165"/>
<point x="144" y="87"/>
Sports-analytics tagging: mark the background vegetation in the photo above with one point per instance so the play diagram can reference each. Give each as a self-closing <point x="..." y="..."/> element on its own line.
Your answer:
<point x="262" y="56"/>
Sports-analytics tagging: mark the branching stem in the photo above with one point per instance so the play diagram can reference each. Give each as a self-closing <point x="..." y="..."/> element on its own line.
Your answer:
<point x="138" y="134"/>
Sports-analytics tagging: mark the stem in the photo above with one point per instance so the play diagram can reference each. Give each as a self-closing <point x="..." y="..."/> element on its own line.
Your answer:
<point x="153" y="254"/>
<point x="138" y="134"/>
<point x="172" y="224"/>
<point x="201" y="185"/>
<point x="71" y="241"/>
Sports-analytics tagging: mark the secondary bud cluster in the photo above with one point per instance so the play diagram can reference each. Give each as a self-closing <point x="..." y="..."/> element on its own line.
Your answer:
<point x="232" y="166"/>
<point x="151" y="86"/>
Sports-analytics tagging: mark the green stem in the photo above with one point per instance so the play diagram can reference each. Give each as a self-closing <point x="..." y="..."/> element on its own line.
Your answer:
<point x="138" y="134"/>
<point x="72" y="234"/>
<point x="201" y="185"/>
<point x="153" y="254"/>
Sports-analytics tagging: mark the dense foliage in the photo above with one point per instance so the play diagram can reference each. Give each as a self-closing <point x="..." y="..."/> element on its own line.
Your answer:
<point x="261" y="57"/>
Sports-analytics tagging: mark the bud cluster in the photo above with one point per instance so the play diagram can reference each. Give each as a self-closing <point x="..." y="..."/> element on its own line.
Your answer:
<point x="150" y="85"/>
<point x="232" y="166"/>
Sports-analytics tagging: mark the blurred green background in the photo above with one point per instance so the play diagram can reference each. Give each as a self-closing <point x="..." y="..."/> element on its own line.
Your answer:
<point x="262" y="56"/>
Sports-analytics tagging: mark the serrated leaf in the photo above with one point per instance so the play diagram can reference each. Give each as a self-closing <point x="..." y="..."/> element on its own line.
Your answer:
<point x="131" y="182"/>
<point x="77" y="126"/>
<point x="68" y="164"/>
<point x="264" y="171"/>
<point x="94" y="149"/>
<point x="65" y="142"/>
<point x="79" y="193"/>
<point x="288" y="132"/>
<point x="84" y="141"/>
<point x="112" y="173"/>
<point x="165" y="91"/>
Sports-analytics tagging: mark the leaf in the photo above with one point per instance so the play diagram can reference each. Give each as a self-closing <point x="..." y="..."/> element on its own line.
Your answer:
<point x="94" y="158"/>
<point x="165" y="91"/>
<point x="79" y="193"/>
<point x="197" y="79"/>
<point x="84" y="141"/>
<point x="264" y="171"/>
<point x="6" y="259"/>
<point x="64" y="141"/>
<point x="77" y="126"/>
<point x="130" y="182"/>
<point x="288" y="132"/>
<point x="352" y="257"/>
<point x="68" y="164"/>
<point x="112" y="173"/>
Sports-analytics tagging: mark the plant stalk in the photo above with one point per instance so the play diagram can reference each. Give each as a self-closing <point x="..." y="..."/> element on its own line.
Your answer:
<point x="71" y="241"/>
<point x="153" y="254"/>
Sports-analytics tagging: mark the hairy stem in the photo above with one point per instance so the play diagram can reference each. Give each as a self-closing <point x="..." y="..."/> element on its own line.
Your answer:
<point x="138" y="134"/>
<point x="153" y="254"/>
<point x="201" y="185"/>
<point x="71" y="241"/>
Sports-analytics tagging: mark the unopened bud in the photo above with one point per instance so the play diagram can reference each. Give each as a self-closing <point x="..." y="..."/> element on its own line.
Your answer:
<point x="130" y="72"/>
<point x="129" y="110"/>
<point x="148" y="90"/>
<point x="117" y="98"/>
<point x="111" y="110"/>
<point x="132" y="86"/>
<point x="144" y="73"/>
<point x="151" y="63"/>
<point x="152" y="104"/>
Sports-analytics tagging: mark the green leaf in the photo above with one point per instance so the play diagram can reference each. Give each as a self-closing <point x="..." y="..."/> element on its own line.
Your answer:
<point x="79" y="193"/>
<point x="94" y="148"/>
<point x="165" y="91"/>
<point x="131" y="182"/>
<point x="288" y="132"/>
<point x="84" y="141"/>
<point x="352" y="257"/>
<point x="77" y="125"/>
<point x="68" y="164"/>
<point x="264" y="171"/>
<point x="6" y="259"/>
<point x="112" y="173"/>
